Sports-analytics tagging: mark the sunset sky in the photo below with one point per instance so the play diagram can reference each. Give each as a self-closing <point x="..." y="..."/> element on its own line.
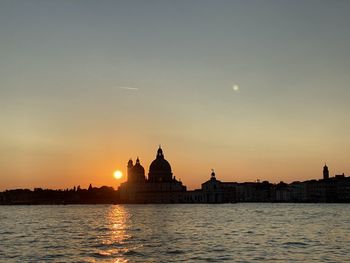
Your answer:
<point x="254" y="89"/>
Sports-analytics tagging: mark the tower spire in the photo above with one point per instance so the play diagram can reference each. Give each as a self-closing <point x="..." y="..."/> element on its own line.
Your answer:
<point x="212" y="174"/>
<point x="160" y="154"/>
<point x="325" y="172"/>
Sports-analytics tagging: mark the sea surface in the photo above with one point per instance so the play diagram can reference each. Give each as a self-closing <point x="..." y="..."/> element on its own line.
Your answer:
<point x="244" y="232"/>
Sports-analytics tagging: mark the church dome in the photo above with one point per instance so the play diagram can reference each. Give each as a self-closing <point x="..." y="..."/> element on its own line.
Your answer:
<point x="160" y="165"/>
<point x="160" y="169"/>
<point x="138" y="168"/>
<point x="136" y="173"/>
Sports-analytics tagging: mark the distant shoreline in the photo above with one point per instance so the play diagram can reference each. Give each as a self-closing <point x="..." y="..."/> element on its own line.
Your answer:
<point x="74" y="204"/>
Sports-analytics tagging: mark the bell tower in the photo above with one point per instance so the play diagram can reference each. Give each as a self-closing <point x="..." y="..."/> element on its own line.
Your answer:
<point x="130" y="166"/>
<point x="325" y="172"/>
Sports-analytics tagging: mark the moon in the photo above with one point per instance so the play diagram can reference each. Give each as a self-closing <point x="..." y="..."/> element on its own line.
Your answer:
<point x="235" y="87"/>
<point x="118" y="174"/>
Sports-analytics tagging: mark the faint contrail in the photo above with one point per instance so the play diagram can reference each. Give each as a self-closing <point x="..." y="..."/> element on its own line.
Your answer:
<point x="128" y="88"/>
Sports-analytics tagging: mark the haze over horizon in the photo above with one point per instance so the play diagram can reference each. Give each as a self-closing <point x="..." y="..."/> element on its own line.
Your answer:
<point x="254" y="89"/>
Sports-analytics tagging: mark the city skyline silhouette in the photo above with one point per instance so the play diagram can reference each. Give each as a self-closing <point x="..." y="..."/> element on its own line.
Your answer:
<point x="160" y="186"/>
<point x="257" y="90"/>
<point x="174" y="131"/>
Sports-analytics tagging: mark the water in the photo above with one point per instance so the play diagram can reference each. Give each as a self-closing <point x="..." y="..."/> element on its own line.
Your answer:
<point x="243" y="232"/>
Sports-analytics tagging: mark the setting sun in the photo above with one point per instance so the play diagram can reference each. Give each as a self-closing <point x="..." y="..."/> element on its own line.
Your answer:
<point x="118" y="174"/>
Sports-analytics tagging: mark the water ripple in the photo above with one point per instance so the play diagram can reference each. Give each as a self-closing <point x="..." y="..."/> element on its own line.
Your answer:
<point x="176" y="233"/>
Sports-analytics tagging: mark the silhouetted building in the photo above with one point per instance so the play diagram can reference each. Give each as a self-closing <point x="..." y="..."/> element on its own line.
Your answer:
<point x="213" y="190"/>
<point x="136" y="173"/>
<point x="93" y="195"/>
<point x="294" y="192"/>
<point x="325" y="172"/>
<point x="160" y="187"/>
<point x="160" y="169"/>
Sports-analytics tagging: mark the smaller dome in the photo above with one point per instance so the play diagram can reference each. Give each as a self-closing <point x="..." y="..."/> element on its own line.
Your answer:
<point x="138" y="168"/>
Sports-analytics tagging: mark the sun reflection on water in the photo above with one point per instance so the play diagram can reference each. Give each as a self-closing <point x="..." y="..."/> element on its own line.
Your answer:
<point x="168" y="233"/>
<point x="118" y="242"/>
<point x="117" y="219"/>
<point x="115" y="242"/>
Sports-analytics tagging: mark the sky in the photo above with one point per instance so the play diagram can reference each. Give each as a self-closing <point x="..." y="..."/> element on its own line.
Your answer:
<point x="254" y="89"/>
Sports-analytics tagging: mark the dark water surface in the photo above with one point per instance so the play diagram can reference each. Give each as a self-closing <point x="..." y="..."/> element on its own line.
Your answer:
<point x="173" y="233"/>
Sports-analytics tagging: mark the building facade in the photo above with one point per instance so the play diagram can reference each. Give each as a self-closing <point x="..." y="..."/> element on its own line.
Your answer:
<point x="160" y="186"/>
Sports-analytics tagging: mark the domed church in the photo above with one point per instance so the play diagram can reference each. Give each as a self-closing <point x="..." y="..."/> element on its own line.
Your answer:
<point x="136" y="173"/>
<point x="160" y="187"/>
<point x="160" y="169"/>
